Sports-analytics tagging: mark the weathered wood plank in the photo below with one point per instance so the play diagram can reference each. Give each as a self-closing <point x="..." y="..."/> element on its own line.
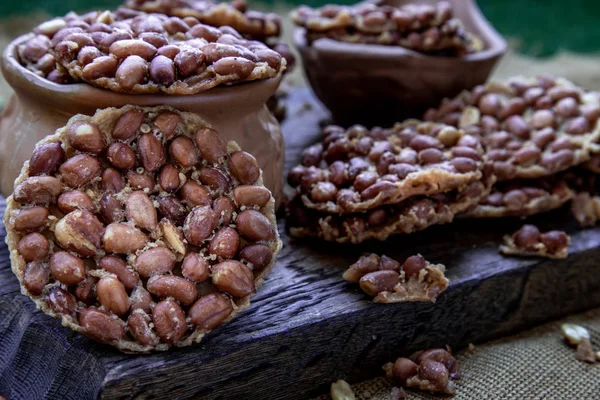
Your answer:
<point x="307" y="327"/>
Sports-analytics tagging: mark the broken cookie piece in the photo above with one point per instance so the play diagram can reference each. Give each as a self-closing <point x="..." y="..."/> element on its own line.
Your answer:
<point x="389" y="282"/>
<point x="579" y="337"/>
<point x="433" y="370"/>
<point x="141" y="227"/>
<point x="528" y="241"/>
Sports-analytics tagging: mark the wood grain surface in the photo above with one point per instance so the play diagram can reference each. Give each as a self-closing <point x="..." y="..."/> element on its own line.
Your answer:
<point x="306" y="326"/>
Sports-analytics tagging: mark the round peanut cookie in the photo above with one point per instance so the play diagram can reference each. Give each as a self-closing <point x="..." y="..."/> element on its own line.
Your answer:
<point x="521" y="198"/>
<point x="132" y="52"/>
<point x="250" y="23"/>
<point x="411" y="215"/>
<point x="531" y="127"/>
<point x="358" y="169"/>
<point x="141" y="227"/>
<point x="420" y="27"/>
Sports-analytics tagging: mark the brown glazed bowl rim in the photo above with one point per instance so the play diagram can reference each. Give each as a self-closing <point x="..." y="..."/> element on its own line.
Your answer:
<point x="496" y="45"/>
<point x="253" y="92"/>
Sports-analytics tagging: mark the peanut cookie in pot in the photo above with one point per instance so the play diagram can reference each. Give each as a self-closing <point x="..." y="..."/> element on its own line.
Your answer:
<point x="141" y="227"/>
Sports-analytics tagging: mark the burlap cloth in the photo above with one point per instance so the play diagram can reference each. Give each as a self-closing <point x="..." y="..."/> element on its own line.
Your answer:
<point x="535" y="364"/>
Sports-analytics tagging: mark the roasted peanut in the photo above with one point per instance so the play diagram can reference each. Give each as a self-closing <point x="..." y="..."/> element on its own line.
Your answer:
<point x="195" y="268"/>
<point x="128" y="124"/>
<point x="140" y="299"/>
<point x="125" y="48"/>
<point x="67" y="268"/>
<point x="434" y="372"/>
<point x="254" y="226"/>
<point x="121" y="156"/>
<point x="243" y="167"/>
<point x="167" y="122"/>
<point x="379" y="281"/>
<point x="86" y="136"/>
<point x="85" y="290"/>
<point x="111" y="294"/>
<point x="61" y="301"/>
<point x="46" y="159"/>
<point x="195" y="194"/>
<point x="112" y="181"/>
<point x="139" y="327"/>
<point x="169" y="321"/>
<point x="38" y="190"/>
<point x="100" y="325"/>
<point x="79" y="231"/>
<point x="224" y="208"/>
<point x="111" y="209"/>
<point x="118" y="266"/>
<point x="180" y="289"/>
<point x="211" y="145"/>
<point x="527" y="237"/>
<point x="123" y="239"/>
<point x="36" y="277"/>
<point x="403" y="369"/>
<point x="413" y="265"/>
<point x="151" y="152"/>
<point x="100" y="67"/>
<point x="33" y="247"/>
<point x="234" y="278"/>
<point x="363" y="266"/>
<point x="225" y="243"/>
<point x="214" y="179"/>
<point x="132" y="71"/>
<point x="199" y="224"/>
<point x="79" y="170"/>
<point x="172" y="209"/>
<point x="168" y="178"/>
<point x="156" y="260"/>
<point x="141" y="211"/>
<point x="184" y="152"/>
<point x="189" y="61"/>
<point x="555" y="241"/>
<point x="143" y="182"/>
<point x="75" y="200"/>
<point x="30" y="219"/>
<point x="173" y="236"/>
<point x="257" y="256"/>
<point x="239" y="67"/>
<point x="210" y="311"/>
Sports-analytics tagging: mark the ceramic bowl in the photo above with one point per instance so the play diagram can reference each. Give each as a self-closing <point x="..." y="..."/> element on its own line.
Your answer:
<point x="379" y="85"/>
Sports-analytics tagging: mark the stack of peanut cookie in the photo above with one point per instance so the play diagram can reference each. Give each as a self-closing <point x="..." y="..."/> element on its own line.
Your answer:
<point x="361" y="184"/>
<point x="535" y="130"/>
<point x="431" y="29"/>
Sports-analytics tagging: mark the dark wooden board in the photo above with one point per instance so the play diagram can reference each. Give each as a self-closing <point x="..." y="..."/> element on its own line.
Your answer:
<point x="306" y="326"/>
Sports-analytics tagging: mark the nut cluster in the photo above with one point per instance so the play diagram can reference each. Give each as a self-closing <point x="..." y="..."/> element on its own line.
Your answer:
<point x="529" y="241"/>
<point x="425" y="28"/>
<point x="132" y="52"/>
<point x="388" y="281"/>
<point x="141" y="228"/>
<point x="249" y="23"/>
<point x="433" y="370"/>
<point x="360" y="184"/>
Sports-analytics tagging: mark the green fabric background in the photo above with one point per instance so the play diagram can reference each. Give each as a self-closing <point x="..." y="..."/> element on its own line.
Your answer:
<point x="540" y="27"/>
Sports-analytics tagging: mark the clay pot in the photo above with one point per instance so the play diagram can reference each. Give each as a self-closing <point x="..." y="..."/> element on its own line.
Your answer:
<point x="39" y="107"/>
<point x="379" y="85"/>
